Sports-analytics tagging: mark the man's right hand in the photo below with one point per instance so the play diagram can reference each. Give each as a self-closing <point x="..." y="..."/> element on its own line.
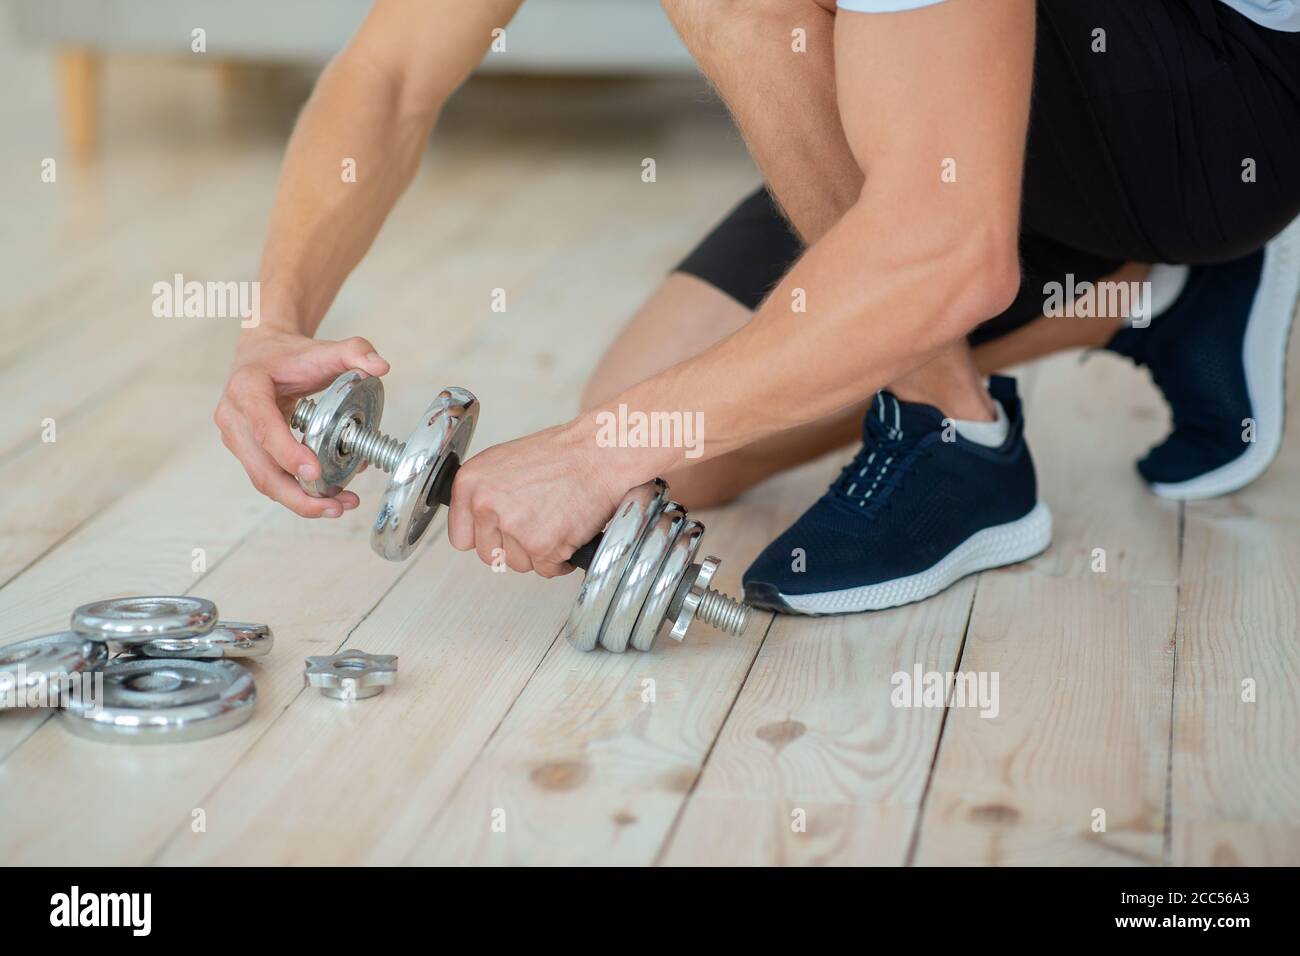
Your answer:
<point x="272" y="371"/>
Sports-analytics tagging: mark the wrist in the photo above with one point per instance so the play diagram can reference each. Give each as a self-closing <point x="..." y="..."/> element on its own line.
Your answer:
<point x="282" y="309"/>
<point x="615" y="453"/>
<point x="256" y="341"/>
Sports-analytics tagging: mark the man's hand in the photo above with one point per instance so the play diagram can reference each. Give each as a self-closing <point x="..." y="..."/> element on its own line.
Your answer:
<point x="534" y="501"/>
<point x="272" y="371"/>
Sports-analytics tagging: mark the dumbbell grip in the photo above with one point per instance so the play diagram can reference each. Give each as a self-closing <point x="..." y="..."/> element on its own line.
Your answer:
<point x="440" y="492"/>
<point x="582" y="558"/>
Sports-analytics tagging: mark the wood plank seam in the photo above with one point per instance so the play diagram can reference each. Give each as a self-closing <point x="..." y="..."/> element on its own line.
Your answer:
<point x="1030" y="828"/>
<point x="216" y="785"/>
<point x="1168" y="835"/>
<point x="487" y="742"/>
<point x="699" y="773"/>
<point x="910" y="858"/>
<point x="7" y="458"/>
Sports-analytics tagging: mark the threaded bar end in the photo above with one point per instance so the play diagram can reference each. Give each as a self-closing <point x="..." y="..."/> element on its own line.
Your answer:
<point x="723" y="612"/>
<point x="302" y="413"/>
<point x="377" y="448"/>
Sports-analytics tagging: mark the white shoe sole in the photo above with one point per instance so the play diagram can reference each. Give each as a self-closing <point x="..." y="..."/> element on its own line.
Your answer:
<point x="993" y="547"/>
<point x="1264" y="355"/>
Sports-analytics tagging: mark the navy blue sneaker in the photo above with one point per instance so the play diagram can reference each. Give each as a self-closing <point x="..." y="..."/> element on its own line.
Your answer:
<point x="918" y="508"/>
<point x="1218" y="354"/>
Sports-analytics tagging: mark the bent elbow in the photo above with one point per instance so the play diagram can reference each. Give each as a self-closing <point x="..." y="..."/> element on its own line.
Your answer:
<point x="983" y="279"/>
<point x="993" y="288"/>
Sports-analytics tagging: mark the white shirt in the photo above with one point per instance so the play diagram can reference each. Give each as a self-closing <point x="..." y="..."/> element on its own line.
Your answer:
<point x="1273" y="14"/>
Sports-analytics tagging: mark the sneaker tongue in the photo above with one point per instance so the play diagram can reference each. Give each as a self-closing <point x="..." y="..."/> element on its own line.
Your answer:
<point x="900" y="419"/>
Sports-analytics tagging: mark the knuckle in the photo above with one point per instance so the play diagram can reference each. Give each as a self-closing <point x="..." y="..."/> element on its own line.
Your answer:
<point x="536" y="544"/>
<point x="482" y="503"/>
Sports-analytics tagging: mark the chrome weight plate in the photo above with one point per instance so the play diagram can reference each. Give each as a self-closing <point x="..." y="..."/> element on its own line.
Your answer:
<point x="165" y="701"/>
<point x="227" y="639"/>
<point x="136" y="620"/>
<point x="26" y="667"/>
<point x="410" y="501"/>
<point x="642" y="573"/>
<point x="676" y="564"/>
<point x="354" y="400"/>
<point x="636" y="513"/>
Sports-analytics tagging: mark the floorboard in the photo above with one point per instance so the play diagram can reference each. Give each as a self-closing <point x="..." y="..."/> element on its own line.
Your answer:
<point x="1120" y="653"/>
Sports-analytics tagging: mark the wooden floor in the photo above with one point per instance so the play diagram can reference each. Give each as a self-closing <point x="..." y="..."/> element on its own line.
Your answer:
<point x="1120" y="691"/>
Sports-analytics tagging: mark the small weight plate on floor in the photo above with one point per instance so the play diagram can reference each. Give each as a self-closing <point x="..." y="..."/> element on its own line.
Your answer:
<point x="227" y="639"/>
<point x="351" y="675"/>
<point x="165" y="701"/>
<point x="410" y="501"/>
<point x="657" y="602"/>
<point x="636" y="513"/>
<point x="641" y="575"/>
<point x="356" y="397"/>
<point x="26" y="666"/>
<point x="135" y="620"/>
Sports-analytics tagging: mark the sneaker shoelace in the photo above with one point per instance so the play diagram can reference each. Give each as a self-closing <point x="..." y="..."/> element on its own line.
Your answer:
<point x="886" y="457"/>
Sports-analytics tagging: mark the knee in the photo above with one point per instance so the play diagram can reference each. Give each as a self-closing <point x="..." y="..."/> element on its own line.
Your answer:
<point x="707" y="486"/>
<point x="704" y="24"/>
<point x="696" y="21"/>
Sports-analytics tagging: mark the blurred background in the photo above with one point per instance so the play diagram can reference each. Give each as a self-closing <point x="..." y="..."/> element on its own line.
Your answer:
<point x="128" y="158"/>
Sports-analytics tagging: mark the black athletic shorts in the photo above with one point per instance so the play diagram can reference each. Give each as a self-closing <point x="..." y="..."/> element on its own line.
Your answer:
<point x="1179" y="144"/>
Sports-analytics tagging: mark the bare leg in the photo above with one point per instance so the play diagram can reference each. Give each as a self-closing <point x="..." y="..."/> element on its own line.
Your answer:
<point x="683" y="317"/>
<point x="1045" y="335"/>
<point x="952" y="383"/>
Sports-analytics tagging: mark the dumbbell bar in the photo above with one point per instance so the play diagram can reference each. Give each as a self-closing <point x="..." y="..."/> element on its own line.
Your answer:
<point x="641" y="571"/>
<point x="341" y="425"/>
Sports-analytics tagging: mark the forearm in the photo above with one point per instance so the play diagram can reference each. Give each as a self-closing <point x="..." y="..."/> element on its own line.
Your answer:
<point x="358" y="144"/>
<point x="788" y="368"/>
<point x="324" y="218"/>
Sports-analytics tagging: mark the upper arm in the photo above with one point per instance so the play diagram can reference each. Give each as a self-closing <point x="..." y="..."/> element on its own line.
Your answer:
<point x="428" y="47"/>
<point x="934" y="103"/>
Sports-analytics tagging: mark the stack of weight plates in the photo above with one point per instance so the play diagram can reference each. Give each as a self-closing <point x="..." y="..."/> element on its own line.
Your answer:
<point x="639" y="575"/>
<point x="140" y="670"/>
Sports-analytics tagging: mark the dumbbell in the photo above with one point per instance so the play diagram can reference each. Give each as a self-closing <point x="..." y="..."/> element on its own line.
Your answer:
<point x="641" y="571"/>
<point x="341" y="425"/>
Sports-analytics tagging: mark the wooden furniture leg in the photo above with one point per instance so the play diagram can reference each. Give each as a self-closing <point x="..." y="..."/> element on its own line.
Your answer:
<point x="78" y="69"/>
